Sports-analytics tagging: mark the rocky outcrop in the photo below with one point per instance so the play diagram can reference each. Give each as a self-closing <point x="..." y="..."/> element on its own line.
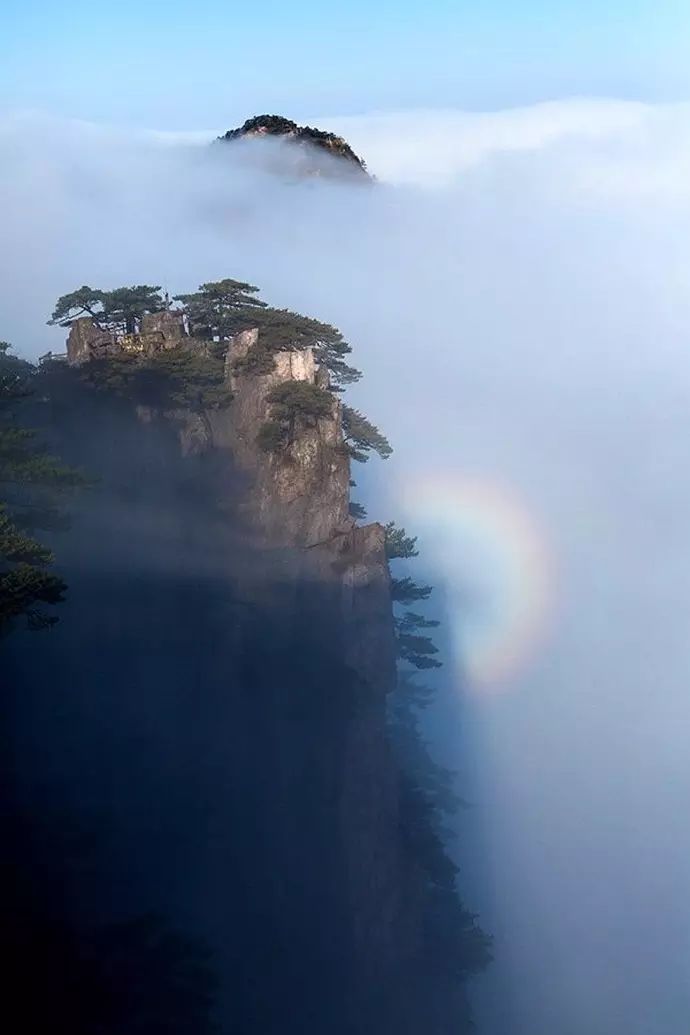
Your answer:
<point x="157" y="332"/>
<point x="306" y="151"/>
<point x="88" y="341"/>
<point x="164" y="330"/>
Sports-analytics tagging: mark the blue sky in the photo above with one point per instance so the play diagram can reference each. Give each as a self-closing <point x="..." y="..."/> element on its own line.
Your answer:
<point x="180" y="64"/>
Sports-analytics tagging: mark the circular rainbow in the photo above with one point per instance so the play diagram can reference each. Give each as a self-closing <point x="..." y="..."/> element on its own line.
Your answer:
<point x="498" y="572"/>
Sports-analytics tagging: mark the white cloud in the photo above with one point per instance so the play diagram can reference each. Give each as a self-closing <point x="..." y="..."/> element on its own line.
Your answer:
<point x="438" y="147"/>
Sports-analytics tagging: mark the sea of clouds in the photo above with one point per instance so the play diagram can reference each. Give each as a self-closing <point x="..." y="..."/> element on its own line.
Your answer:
<point x="517" y="287"/>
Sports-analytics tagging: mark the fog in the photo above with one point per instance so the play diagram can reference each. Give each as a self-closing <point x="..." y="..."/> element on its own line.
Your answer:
<point x="516" y="290"/>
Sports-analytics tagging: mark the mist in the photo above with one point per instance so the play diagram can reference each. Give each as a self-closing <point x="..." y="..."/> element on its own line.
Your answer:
<point x="516" y="291"/>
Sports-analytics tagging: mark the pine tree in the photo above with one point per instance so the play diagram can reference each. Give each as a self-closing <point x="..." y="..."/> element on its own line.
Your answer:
<point x="357" y="511"/>
<point x="399" y="544"/>
<point x="118" y="310"/>
<point x="406" y="591"/>
<point x="292" y="401"/>
<point x="362" y="437"/>
<point x="221" y="308"/>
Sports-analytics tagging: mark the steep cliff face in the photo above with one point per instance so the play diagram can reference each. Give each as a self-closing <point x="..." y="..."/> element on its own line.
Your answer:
<point x="296" y="506"/>
<point x="302" y="491"/>
<point x="299" y="495"/>
<point x="270" y="651"/>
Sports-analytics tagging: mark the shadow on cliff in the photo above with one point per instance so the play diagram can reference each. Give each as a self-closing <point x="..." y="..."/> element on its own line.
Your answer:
<point x="193" y="716"/>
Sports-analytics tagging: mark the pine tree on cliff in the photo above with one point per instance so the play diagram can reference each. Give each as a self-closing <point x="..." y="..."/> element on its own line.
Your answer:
<point x="119" y="310"/>
<point x="32" y="483"/>
<point x="418" y="650"/>
<point x="399" y="544"/>
<point x="221" y="308"/>
<point x="363" y="437"/>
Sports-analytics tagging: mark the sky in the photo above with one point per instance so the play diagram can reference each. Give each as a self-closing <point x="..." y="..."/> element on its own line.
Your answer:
<point x="175" y="65"/>
<point x="522" y="271"/>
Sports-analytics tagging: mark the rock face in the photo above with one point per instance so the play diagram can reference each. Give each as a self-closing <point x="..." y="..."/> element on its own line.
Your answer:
<point x="298" y="498"/>
<point x="299" y="495"/>
<point x="167" y="328"/>
<point x="302" y="491"/>
<point x="301" y="499"/>
<point x="86" y="340"/>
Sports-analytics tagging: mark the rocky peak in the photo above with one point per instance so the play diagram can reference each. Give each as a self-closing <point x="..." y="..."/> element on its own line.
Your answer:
<point x="309" y="151"/>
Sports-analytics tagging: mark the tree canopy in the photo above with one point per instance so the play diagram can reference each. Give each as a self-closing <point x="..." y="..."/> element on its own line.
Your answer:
<point x="406" y="591"/>
<point x="362" y="437"/>
<point x="292" y="401"/>
<point x="225" y="307"/>
<point x="219" y="308"/>
<point x="173" y="378"/>
<point x="118" y="310"/>
<point x="398" y="543"/>
<point x="32" y="484"/>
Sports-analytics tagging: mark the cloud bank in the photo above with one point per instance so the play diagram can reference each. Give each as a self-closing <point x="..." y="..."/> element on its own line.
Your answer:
<point x="516" y="288"/>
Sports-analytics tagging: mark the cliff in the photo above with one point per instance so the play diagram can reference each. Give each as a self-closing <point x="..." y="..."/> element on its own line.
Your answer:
<point x="227" y="659"/>
<point x="296" y="509"/>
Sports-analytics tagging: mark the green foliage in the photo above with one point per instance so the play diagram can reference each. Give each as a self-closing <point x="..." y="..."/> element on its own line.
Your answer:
<point x="410" y="621"/>
<point x="22" y="588"/>
<point x="417" y="650"/>
<point x="433" y="781"/>
<point x="259" y="359"/>
<point x="398" y="543"/>
<point x="224" y="308"/>
<point x="16" y="545"/>
<point x="357" y="511"/>
<point x="124" y="307"/>
<point x="281" y="329"/>
<point x="31" y="481"/>
<point x="118" y="310"/>
<point x="453" y="944"/>
<point x="292" y="401"/>
<point x="85" y="301"/>
<point x="422" y="840"/>
<point x="405" y="591"/>
<point x="15" y="375"/>
<point x="189" y="379"/>
<point x="173" y="378"/>
<point x="221" y="308"/>
<point x="456" y="945"/>
<point x="363" y="437"/>
<point x="271" y="436"/>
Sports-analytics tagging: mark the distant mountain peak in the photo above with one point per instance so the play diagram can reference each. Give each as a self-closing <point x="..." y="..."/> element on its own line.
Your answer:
<point x="312" y="144"/>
